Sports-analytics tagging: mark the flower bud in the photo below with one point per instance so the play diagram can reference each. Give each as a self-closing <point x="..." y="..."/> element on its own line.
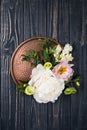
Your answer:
<point x="77" y="83"/>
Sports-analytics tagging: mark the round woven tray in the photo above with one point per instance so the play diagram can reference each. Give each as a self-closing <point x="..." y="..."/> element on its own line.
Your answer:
<point x="21" y="70"/>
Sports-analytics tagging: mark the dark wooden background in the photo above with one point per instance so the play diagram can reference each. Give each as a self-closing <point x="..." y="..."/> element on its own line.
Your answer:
<point x="63" y="20"/>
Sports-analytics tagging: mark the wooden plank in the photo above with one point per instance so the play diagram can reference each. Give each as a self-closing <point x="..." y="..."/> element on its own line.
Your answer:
<point x="64" y="105"/>
<point x="63" y="20"/>
<point x="34" y="25"/>
<point x="0" y="66"/>
<point x="20" y="99"/>
<point x="52" y="21"/>
<point x="5" y="76"/>
<point x="59" y="113"/>
<point x="49" y="18"/>
<point x="11" y="101"/>
<point x="42" y="18"/>
<point x="78" y="32"/>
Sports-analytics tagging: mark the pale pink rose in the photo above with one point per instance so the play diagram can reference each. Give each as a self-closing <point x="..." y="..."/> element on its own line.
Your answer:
<point x="63" y="70"/>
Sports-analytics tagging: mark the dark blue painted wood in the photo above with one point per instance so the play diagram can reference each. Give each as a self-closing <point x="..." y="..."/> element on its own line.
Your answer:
<point x="63" y="20"/>
<point x="78" y="33"/>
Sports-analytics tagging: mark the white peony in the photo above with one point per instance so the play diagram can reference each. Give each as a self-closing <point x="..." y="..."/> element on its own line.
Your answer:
<point x="47" y="87"/>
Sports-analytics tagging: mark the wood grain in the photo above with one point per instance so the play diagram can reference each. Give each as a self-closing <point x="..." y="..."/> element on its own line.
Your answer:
<point x="63" y="20"/>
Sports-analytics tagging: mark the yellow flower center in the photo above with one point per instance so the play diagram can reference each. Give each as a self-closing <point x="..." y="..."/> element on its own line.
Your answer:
<point x="62" y="70"/>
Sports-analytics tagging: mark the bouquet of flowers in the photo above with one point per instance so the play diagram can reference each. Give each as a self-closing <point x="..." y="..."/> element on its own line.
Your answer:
<point x="52" y="72"/>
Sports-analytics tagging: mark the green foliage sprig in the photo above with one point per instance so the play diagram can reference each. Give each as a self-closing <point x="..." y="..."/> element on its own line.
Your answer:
<point x="72" y="85"/>
<point x="43" y="56"/>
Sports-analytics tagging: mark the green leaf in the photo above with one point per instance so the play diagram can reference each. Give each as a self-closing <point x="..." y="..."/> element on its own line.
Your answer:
<point x="76" y="78"/>
<point x="24" y="82"/>
<point x="21" y="87"/>
<point x="45" y="56"/>
<point x="28" y="53"/>
<point x="50" y="50"/>
<point x="70" y="90"/>
<point x="25" y="58"/>
<point x="46" y="42"/>
<point x="47" y="50"/>
<point x="36" y="60"/>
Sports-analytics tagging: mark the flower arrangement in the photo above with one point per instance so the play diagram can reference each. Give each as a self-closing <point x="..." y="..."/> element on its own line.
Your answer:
<point x="52" y="74"/>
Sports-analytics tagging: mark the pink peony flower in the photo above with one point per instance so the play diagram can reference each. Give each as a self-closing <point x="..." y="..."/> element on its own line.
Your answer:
<point x="63" y="70"/>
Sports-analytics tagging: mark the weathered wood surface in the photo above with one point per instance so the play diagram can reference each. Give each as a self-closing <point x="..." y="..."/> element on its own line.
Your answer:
<point x="63" y="20"/>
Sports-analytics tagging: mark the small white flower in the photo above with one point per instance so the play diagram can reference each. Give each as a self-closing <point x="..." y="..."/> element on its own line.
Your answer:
<point x="68" y="57"/>
<point x="57" y="52"/>
<point x="47" y="87"/>
<point x="58" y="49"/>
<point x="67" y="48"/>
<point x="56" y="57"/>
